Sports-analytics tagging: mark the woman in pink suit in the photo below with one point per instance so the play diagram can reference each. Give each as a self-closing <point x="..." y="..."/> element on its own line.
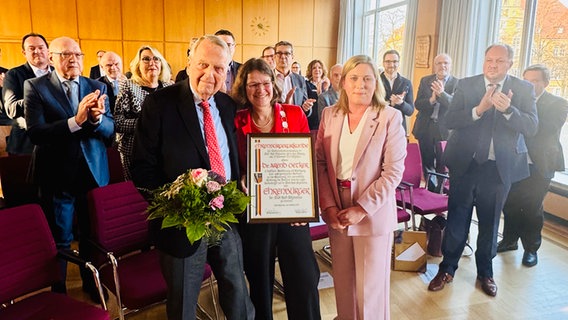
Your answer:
<point x="360" y="149"/>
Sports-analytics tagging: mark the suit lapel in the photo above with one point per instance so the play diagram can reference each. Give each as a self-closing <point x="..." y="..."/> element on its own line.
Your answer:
<point x="188" y="113"/>
<point x="367" y="131"/>
<point x="58" y="93"/>
<point x="335" y="125"/>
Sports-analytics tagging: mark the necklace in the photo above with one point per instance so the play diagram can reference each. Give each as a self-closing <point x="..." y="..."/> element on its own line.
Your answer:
<point x="264" y="125"/>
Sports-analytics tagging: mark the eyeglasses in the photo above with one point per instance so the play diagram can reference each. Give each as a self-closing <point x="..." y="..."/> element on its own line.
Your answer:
<point x="257" y="85"/>
<point x="147" y="60"/>
<point x="271" y="56"/>
<point x="230" y="45"/>
<point x="67" y="55"/>
<point x="391" y="61"/>
<point x="286" y="54"/>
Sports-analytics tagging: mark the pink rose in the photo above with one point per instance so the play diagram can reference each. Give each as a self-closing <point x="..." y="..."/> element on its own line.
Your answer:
<point x="217" y="202"/>
<point x="213" y="186"/>
<point x="198" y="176"/>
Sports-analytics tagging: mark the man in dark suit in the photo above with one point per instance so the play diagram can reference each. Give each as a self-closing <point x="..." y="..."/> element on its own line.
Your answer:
<point x="294" y="88"/>
<point x="68" y="121"/>
<point x="523" y="210"/>
<point x="97" y="71"/>
<point x="169" y="140"/>
<point x="398" y="89"/>
<point x="234" y="66"/>
<point x="112" y="65"/>
<point x="490" y="115"/>
<point x="433" y="100"/>
<point x="35" y="49"/>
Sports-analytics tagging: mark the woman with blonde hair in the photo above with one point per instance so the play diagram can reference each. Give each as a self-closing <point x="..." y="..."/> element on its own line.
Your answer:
<point x="150" y="72"/>
<point x="360" y="150"/>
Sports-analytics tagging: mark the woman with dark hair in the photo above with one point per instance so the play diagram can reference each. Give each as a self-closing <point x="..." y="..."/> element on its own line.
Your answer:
<point x="256" y="91"/>
<point x="150" y="72"/>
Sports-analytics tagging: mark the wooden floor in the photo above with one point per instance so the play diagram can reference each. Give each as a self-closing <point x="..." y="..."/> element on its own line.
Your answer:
<point x="524" y="293"/>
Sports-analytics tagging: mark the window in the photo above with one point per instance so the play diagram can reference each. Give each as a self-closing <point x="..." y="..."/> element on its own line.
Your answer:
<point x="544" y="42"/>
<point x="384" y="23"/>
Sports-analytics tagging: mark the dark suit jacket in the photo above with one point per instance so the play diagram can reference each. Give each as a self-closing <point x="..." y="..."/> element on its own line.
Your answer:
<point x="13" y="93"/>
<point x="424" y="126"/>
<point x="95" y="72"/>
<point x="58" y="149"/>
<point x="168" y="141"/>
<point x="545" y="149"/>
<point x="110" y="92"/>
<point x="508" y="135"/>
<point x="401" y="84"/>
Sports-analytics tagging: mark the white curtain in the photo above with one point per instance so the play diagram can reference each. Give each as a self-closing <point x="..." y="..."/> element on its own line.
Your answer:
<point x="346" y="36"/>
<point x="467" y="28"/>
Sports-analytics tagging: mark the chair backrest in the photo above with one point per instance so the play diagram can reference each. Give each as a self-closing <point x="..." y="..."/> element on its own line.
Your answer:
<point x="412" y="165"/>
<point x="28" y="257"/>
<point x="118" y="218"/>
<point x="16" y="185"/>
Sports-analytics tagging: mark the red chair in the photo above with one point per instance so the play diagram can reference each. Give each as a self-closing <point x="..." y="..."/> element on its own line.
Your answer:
<point x="128" y="265"/>
<point x="28" y="263"/>
<point x="420" y="201"/>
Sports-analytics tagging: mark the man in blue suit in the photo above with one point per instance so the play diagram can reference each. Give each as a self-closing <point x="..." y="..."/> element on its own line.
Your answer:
<point x="68" y="121"/>
<point x="490" y="115"/>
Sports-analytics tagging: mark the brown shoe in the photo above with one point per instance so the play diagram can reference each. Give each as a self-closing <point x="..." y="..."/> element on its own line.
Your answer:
<point x="440" y="281"/>
<point x="488" y="285"/>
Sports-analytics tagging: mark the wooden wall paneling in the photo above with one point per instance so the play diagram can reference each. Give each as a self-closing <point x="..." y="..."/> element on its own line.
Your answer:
<point x="327" y="55"/>
<point x="143" y="20"/>
<point x="90" y="48"/>
<point x="176" y="56"/>
<point x="54" y="18"/>
<point x="16" y="19"/>
<point x="253" y="51"/>
<point x="303" y="55"/>
<point x="130" y="50"/>
<point x="296" y="22"/>
<point x="12" y="55"/>
<point x="326" y="23"/>
<point x="260" y="23"/>
<point x="225" y="15"/>
<point x="100" y="21"/>
<point x="183" y="19"/>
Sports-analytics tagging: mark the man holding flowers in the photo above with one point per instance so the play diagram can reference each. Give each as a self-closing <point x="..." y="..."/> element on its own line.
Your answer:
<point x="174" y="135"/>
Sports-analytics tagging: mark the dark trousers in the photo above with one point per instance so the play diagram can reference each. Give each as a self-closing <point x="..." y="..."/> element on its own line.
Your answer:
<point x="481" y="187"/>
<point x="427" y="145"/>
<point x="523" y="211"/>
<point x="184" y="276"/>
<point x="298" y="265"/>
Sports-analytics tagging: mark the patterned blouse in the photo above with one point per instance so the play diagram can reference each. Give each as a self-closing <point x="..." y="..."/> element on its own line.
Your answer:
<point x="126" y="111"/>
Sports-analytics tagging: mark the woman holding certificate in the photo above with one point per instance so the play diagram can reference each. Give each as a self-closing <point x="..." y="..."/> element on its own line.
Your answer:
<point x="256" y="91"/>
<point x="360" y="151"/>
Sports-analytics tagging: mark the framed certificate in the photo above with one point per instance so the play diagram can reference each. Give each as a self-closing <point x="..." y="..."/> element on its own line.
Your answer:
<point x="281" y="178"/>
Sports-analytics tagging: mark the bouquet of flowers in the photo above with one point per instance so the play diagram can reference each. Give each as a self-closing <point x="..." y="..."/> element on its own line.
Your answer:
<point x="199" y="201"/>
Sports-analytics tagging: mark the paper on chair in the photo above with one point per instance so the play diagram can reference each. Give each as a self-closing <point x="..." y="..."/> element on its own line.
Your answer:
<point x="413" y="252"/>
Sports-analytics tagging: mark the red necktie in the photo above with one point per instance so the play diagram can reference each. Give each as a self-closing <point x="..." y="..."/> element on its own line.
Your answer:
<point x="215" y="159"/>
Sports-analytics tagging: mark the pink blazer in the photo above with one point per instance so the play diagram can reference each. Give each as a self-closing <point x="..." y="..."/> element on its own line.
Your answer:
<point x="377" y="167"/>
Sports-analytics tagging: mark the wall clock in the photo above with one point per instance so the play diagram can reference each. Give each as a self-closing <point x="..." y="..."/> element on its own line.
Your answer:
<point x="259" y="26"/>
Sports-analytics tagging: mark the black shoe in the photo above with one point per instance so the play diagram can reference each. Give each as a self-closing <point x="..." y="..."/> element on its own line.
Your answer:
<point x="94" y="293"/>
<point x="503" y="246"/>
<point x="530" y="259"/>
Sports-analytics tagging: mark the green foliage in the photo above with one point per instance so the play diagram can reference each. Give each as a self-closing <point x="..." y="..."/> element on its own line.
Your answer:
<point x="198" y="202"/>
